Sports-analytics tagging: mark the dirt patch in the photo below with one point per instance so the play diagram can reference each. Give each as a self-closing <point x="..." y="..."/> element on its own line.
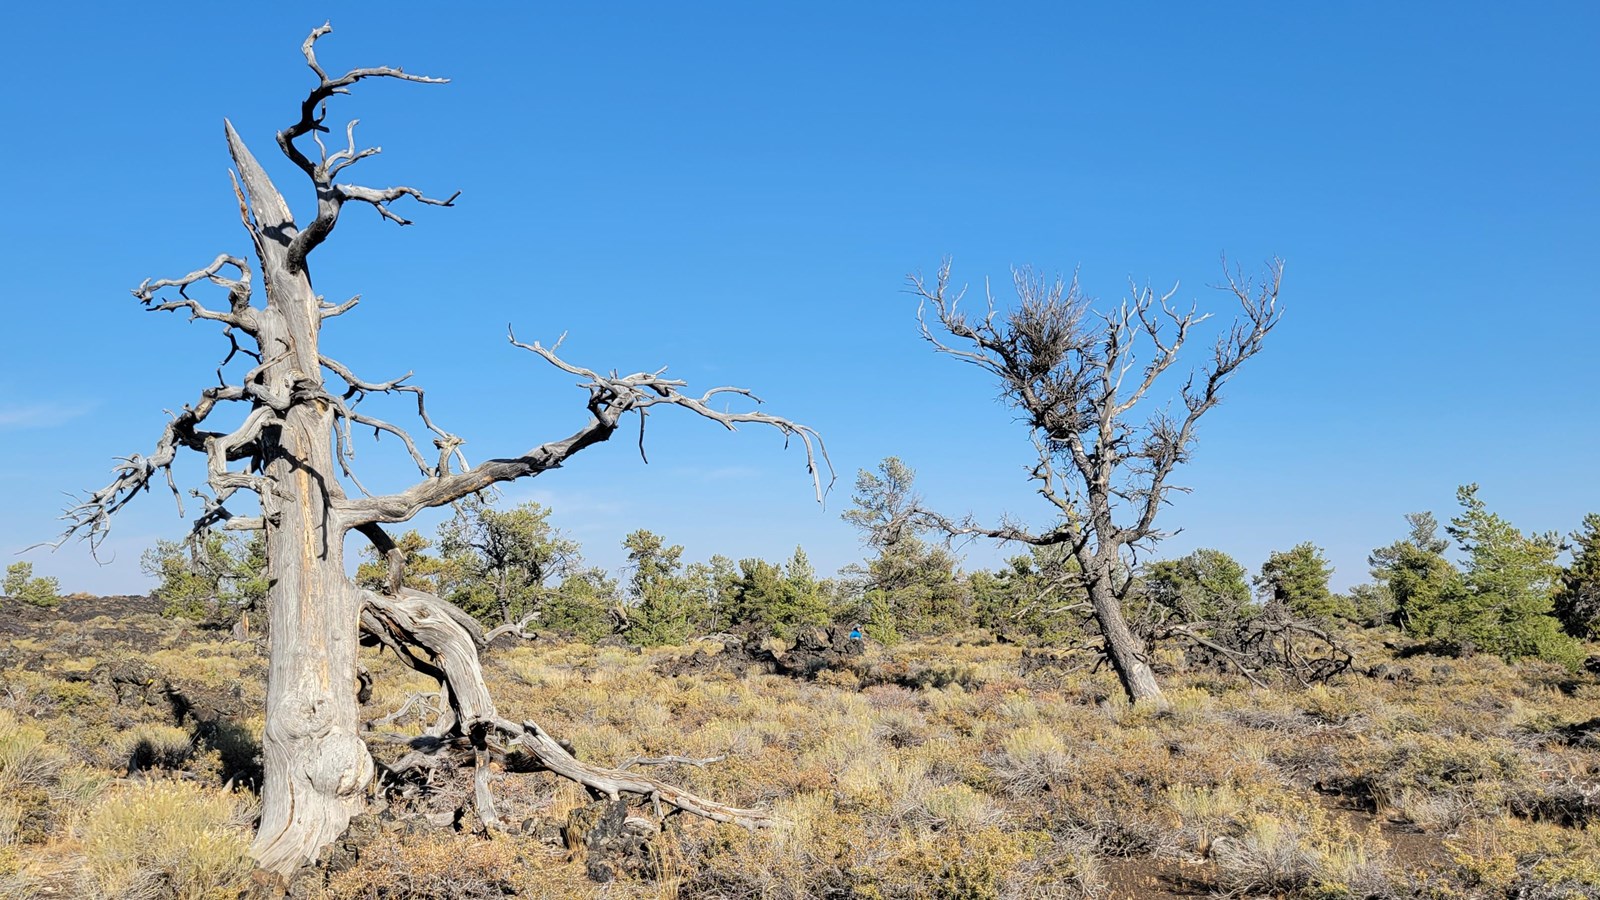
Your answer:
<point x="1412" y="849"/>
<point x="1157" y="879"/>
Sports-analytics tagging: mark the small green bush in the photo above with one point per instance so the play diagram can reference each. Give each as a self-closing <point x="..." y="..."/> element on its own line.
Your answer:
<point x="21" y="585"/>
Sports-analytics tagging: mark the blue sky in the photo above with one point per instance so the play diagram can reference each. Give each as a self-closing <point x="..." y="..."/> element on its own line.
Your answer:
<point x="737" y="191"/>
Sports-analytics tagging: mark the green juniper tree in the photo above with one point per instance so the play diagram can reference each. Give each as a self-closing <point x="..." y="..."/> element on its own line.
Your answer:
<point x="501" y="562"/>
<point x="1499" y="602"/>
<point x="1297" y="579"/>
<point x="1037" y="597"/>
<point x="1504" y="602"/>
<point x="777" y="600"/>
<point x="910" y="585"/>
<point x="668" y="604"/>
<point x="423" y="570"/>
<point x="1203" y="601"/>
<point x="1205" y="586"/>
<point x="1417" y="576"/>
<point x="21" y="585"/>
<point x="1577" y="599"/>
<point x="585" y="605"/>
<point x="211" y="578"/>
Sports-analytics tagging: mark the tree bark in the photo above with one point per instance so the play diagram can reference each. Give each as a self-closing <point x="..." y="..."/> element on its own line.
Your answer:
<point x="315" y="765"/>
<point x="292" y="450"/>
<point x="1123" y="647"/>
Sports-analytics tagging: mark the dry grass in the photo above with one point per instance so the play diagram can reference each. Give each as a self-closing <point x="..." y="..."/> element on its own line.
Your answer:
<point x="928" y="771"/>
<point x="168" y="839"/>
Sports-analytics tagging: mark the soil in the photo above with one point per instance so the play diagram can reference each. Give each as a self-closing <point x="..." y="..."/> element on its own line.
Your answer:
<point x="1157" y="879"/>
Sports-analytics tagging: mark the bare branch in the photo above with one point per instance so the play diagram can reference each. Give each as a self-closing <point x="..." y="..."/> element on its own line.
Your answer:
<point x="331" y="196"/>
<point x="632" y="761"/>
<point x="1166" y="352"/>
<point x="1168" y="445"/>
<point x="418" y="619"/>
<point x="380" y="198"/>
<point x="1235" y="658"/>
<point x="390" y="552"/>
<point x="329" y="310"/>
<point x="350" y="155"/>
<point x="425" y="702"/>
<point x="610" y="398"/>
<point x="613" y="782"/>
<point x="312" y="110"/>
<point x="518" y="629"/>
<point x="1066" y="533"/>
<point x="358" y="388"/>
<point x="238" y="314"/>
<point x="90" y="519"/>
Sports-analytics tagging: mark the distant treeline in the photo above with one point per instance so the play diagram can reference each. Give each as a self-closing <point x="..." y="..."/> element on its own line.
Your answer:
<point x="1504" y="592"/>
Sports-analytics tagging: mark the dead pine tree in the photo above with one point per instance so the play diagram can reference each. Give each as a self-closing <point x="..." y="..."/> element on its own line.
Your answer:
<point x="292" y="452"/>
<point x="1103" y="463"/>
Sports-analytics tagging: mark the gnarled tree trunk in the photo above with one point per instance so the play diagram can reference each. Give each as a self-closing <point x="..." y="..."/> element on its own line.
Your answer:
<point x="292" y="450"/>
<point x="1123" y="647"/>
<point x="313" y="757"/>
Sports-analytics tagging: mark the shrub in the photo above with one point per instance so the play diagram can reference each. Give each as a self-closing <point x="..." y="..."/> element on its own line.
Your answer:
<point x="21" y="585"/>
<point x="441" y="867"/>
<point x="168" y="839"/>
<point x="1473" y="768"/>
<point x="155" y="746"/>
<point x="1300" y="851"/>
<point x="1032" y="759"/>
<point x="26" y="758"/>
<point x="1205" y="812"/>
<point x="1506" y="857"/>
<point x="29" y="766"/>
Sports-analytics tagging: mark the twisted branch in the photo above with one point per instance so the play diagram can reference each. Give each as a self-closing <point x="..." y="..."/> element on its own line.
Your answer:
<point x="417" y="619"/>
<point x="90" y="519"/>
<point x="331" y="197"/>
<point x="357" y="389"/>
<point x="610" y="398"/>
<point x="238" y="314"/>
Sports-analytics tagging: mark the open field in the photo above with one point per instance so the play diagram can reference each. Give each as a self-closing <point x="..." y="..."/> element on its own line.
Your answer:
<point x="959" y="769"/>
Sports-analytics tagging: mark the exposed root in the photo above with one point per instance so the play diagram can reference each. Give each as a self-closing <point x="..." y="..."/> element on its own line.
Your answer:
<point x="612" y="782"/>
<point x="424" y="702"/>
<point x="450" y="641"/>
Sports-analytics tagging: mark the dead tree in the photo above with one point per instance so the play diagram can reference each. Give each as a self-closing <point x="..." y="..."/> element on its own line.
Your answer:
<point x="293" y="453"/>
<point x="1065" y="368"/>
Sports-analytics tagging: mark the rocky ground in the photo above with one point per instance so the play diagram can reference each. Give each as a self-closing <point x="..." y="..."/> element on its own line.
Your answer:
<point x="963" y="768"/>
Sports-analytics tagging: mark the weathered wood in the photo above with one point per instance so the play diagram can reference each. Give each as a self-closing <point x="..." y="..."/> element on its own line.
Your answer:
<point x="420" y="619"/>
<point x="292" y="450"/>
<point x="315" y="764"/>
<point x="614" y="782"/>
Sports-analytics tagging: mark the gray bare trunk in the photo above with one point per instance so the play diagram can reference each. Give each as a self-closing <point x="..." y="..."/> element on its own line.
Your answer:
<point x="316" y="766"/>
<point x="293" y="449"/>
<point x="1123" y="647"/>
